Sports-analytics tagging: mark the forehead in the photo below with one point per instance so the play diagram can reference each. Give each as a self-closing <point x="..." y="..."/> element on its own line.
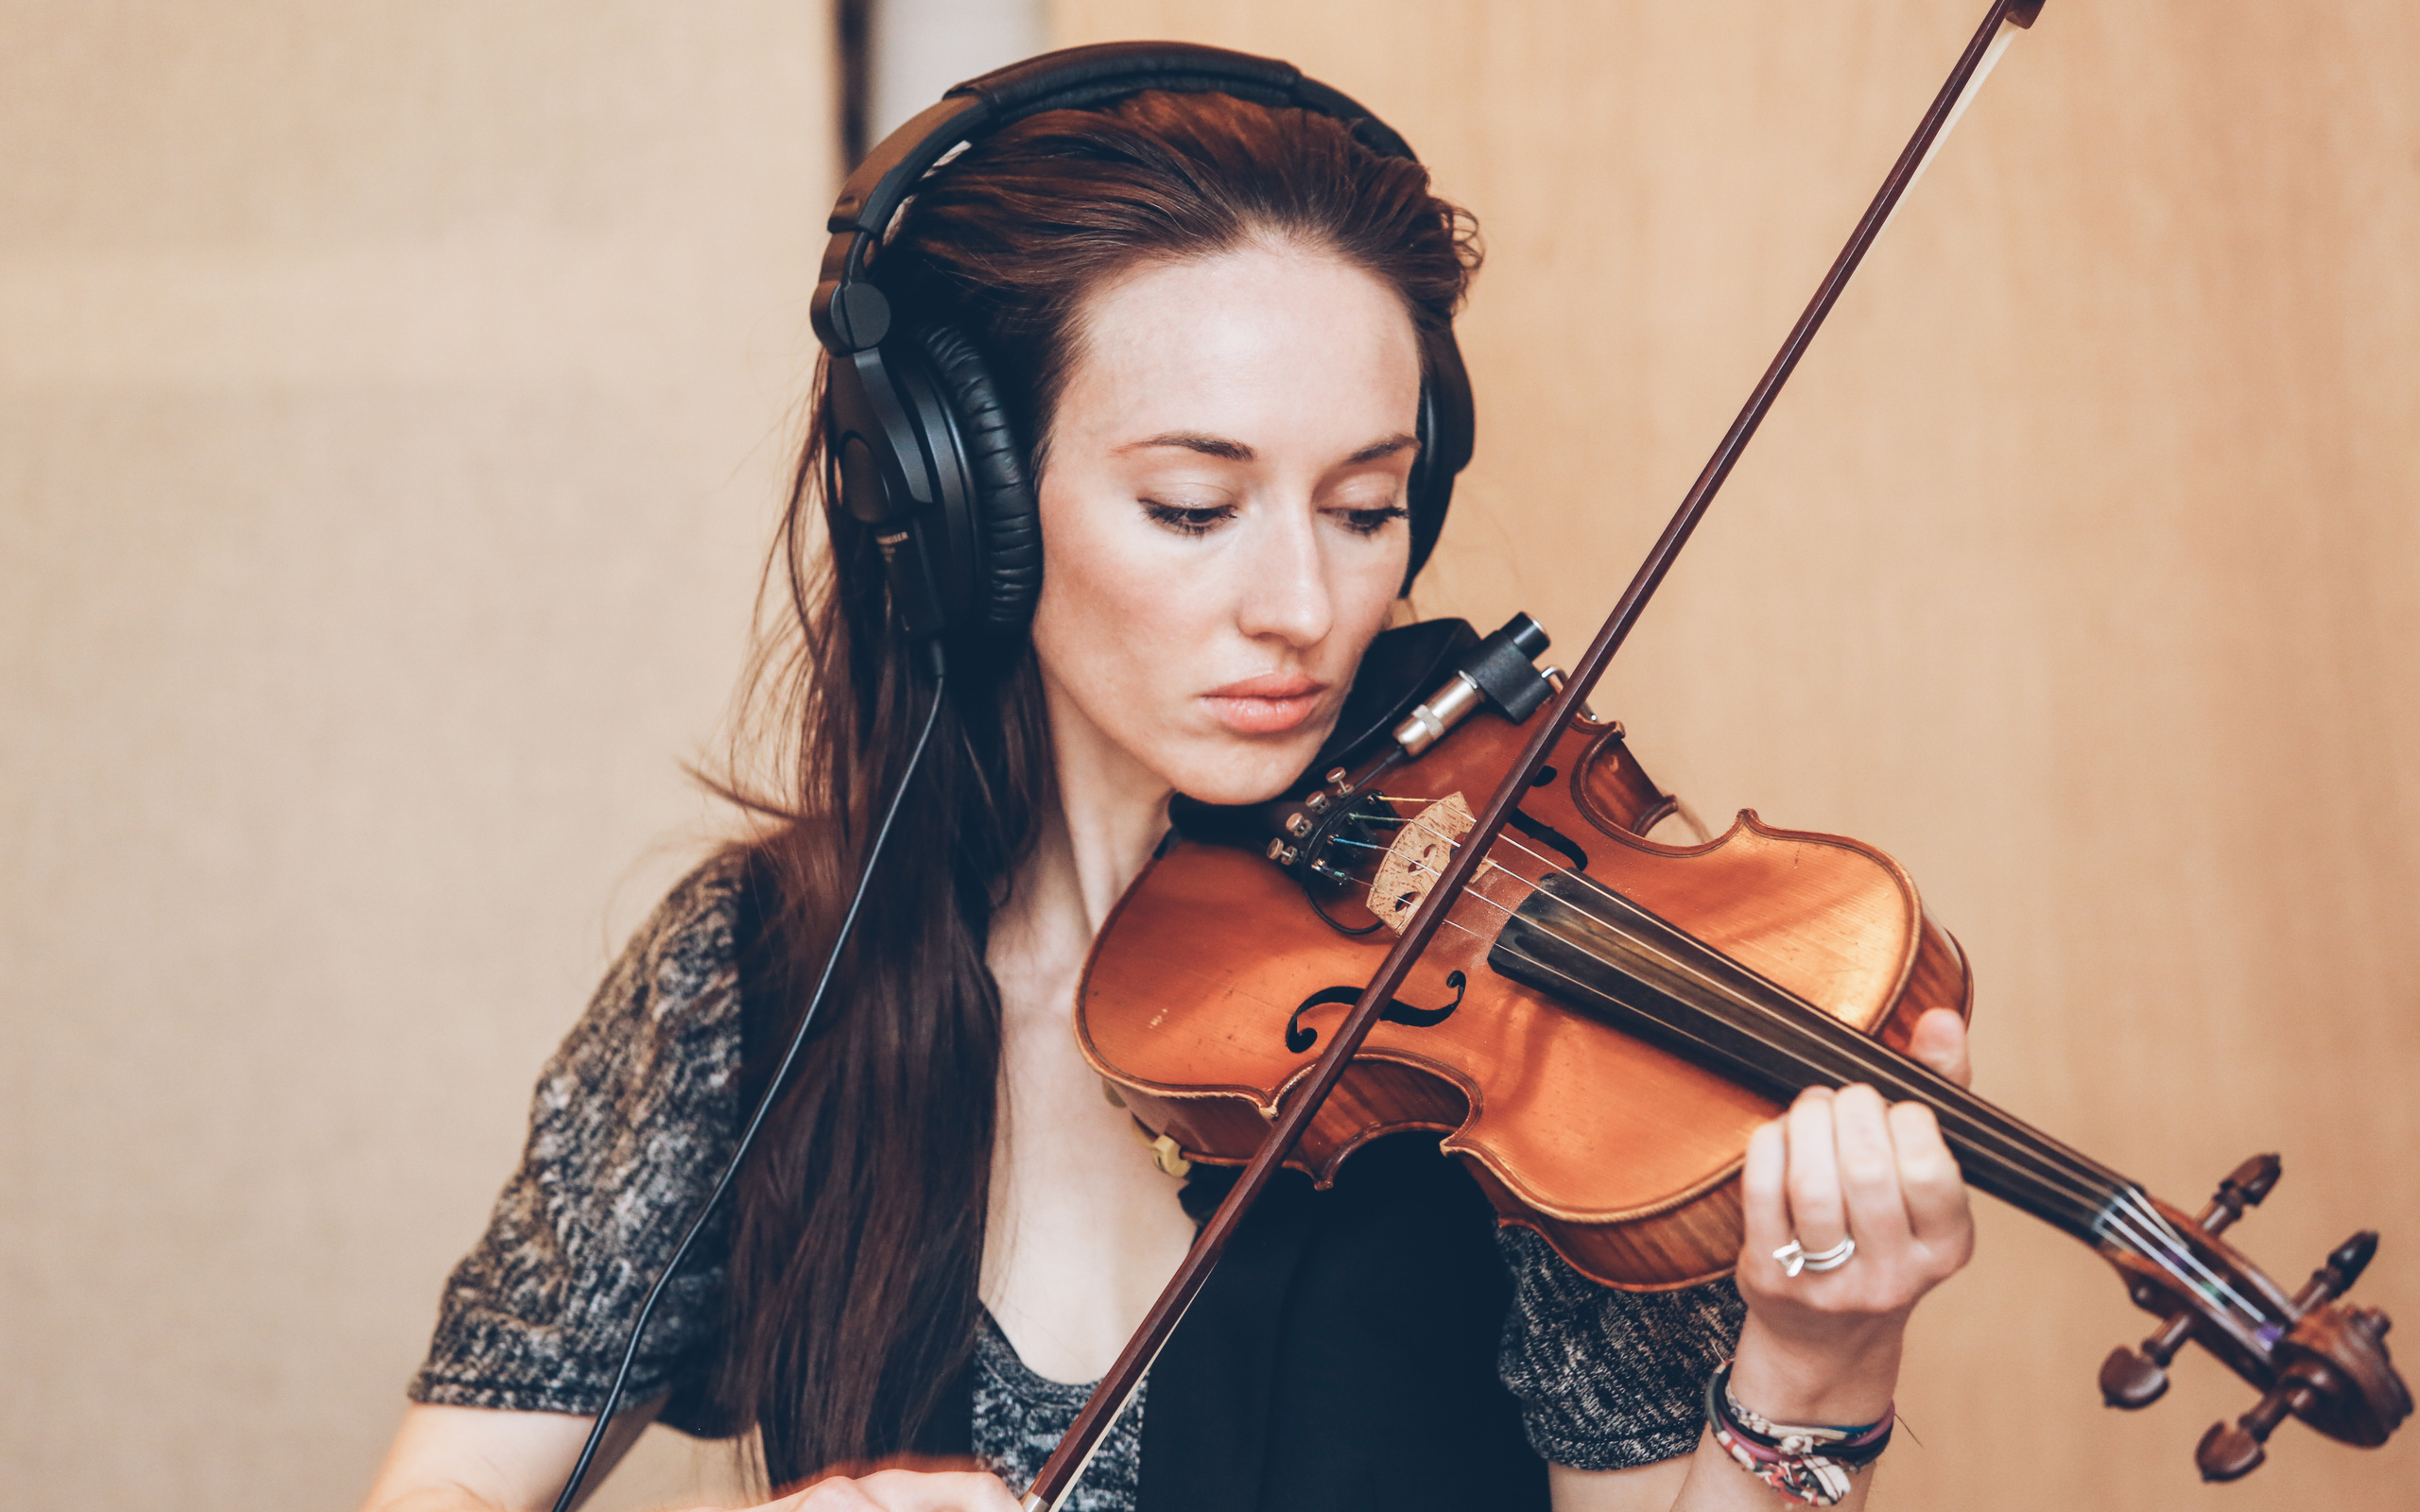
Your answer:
<point x="1270" y="343"/>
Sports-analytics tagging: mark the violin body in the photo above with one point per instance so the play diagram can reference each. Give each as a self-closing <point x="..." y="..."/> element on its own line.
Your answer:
<point x="1624" y="1156"/>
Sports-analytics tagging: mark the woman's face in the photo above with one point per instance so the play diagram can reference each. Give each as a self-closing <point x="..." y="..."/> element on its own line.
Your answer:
<point x="1222" y="516"/>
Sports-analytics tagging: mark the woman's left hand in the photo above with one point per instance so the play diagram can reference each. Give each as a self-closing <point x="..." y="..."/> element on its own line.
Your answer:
<point x="1824" y="1347"/>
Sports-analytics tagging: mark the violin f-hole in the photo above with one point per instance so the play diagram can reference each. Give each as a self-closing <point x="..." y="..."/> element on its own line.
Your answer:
<point x="1546" y="835"/>
<point x="1301" y="1037"/>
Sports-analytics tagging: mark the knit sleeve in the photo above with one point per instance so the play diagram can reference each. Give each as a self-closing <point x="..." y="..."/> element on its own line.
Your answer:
<point x="1609" y="1378"/>
<point x="633" y="1117"/>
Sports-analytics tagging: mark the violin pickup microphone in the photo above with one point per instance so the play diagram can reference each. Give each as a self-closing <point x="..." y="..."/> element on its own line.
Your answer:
<point x="1501" y="671"/>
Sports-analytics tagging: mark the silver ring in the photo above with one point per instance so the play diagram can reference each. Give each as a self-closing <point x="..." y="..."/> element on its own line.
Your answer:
<point x="1795" y="1258"/>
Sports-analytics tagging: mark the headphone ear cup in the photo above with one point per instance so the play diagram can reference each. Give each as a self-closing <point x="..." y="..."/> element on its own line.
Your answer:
<point x="1447" y="425"/>
<point x="1008" y="527"/>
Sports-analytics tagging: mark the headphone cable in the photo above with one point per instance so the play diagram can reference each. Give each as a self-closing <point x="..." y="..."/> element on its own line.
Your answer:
<point x="569" y="1497"/>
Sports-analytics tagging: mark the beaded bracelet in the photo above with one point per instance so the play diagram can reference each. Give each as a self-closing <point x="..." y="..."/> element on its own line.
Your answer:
<point x="1806" y="1463"/>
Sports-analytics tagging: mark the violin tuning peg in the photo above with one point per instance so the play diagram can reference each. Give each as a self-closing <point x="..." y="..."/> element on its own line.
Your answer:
<point x="2244" y="1187"/>
<point x="2229" y="1452"/>
<point x="2351" y="1258"/>
<point x="2130" y="1380"/>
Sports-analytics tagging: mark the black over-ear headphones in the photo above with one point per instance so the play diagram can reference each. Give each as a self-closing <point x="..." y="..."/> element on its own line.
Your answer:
<point x="925" y="450"/>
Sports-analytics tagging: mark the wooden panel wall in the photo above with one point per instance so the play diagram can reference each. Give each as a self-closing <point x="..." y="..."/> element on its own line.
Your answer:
<point x="2079" y="569"/>
<point x="393" y="406"/>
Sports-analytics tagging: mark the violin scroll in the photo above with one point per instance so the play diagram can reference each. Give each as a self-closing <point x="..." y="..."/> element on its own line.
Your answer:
<point x="2313" y="1357"/>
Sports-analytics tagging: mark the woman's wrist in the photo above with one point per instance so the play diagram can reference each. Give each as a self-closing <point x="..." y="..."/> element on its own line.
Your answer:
<point x="1843" y="1379"/>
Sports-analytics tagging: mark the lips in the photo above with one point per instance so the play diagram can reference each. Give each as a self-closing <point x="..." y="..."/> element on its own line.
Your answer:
<point x="1268" y="704"/>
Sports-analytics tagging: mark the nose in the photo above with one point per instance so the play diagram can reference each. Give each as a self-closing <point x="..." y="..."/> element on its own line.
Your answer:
<point x="1285" y="593"/>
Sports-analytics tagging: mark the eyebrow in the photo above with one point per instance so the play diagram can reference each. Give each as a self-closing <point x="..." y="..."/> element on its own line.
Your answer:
<point x="1232" y="451"/>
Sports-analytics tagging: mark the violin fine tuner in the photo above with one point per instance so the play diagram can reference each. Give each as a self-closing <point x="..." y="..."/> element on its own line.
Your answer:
<point x="2329" y="1368"/>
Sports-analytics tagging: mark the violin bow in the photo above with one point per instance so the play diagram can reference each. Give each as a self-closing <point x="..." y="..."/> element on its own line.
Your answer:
<point x="1066" y="1463"/>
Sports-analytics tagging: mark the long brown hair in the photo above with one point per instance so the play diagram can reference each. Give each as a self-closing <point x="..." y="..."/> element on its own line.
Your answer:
<point x="859" y="1235"/>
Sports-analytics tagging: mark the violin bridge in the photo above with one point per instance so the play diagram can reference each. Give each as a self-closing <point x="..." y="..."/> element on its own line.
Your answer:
<point x="1410" y="867"/>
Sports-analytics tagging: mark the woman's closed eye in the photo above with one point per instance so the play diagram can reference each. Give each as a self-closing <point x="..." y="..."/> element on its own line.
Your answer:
<point x="1368" y="521"/>
<point x="1188" y="519"/>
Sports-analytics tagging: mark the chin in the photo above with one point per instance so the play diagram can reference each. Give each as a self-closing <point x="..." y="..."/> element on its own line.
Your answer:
<point x="1240" y="771"/>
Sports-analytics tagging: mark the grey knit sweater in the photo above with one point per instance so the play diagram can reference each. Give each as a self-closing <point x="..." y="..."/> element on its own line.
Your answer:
<point x="638" y="1111"/>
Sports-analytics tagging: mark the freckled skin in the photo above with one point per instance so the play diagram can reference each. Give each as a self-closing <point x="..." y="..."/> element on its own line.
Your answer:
<point x="1304" y="360"/>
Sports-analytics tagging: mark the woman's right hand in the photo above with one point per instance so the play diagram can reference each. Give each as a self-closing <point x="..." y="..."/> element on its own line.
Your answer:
<point x="901" y="1491"/>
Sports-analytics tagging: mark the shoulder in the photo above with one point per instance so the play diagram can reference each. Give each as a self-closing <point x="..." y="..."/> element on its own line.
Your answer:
<point x="633" y="1115"/>
<point x="691" y="943"/>
<point x="660" y="1044"/>
<point x="681" y="968"/>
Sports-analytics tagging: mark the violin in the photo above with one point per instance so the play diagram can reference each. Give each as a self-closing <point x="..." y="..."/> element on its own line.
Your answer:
<point x="1603" y="1019"/>
<point x="1594" y="1022"/>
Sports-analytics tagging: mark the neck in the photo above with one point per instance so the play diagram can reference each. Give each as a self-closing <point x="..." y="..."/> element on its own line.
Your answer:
<point x="1095" y="841"/>
<point x="1111" y="813"/>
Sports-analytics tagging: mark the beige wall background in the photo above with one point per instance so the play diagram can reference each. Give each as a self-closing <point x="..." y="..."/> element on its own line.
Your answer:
<point x="391" y="401"/>
<point x="2078" y="568"/>
<point x="391" y="404"/>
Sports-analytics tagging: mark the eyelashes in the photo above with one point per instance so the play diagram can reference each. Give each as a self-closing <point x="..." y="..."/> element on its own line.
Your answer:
<point x="1200" y="519"/>
<point x="1370" y="522"/>
<point x="1189" y="520"/>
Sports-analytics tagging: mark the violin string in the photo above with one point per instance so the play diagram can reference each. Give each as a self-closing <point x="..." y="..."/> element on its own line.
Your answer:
<point x="2090" y="1196"/>
<point x="2116" y="1208"/>
<point x="2113" y="1225"/>
<point x="2083" y="1205"/>
<point x="1552" y="862"/>
<point x="2173" y="1241"/>
<point x="1555" y="870"/>
<point x="2172" y="1252"/>
<point x="2156" y="1240"/>
<point x="2105" y="1202"/>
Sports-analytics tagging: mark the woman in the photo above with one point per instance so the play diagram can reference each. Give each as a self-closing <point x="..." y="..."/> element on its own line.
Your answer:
<point x="1210" y="318"/>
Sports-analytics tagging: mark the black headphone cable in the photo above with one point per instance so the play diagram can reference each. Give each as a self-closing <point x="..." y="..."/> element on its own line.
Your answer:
<point x="570" y="1494"/>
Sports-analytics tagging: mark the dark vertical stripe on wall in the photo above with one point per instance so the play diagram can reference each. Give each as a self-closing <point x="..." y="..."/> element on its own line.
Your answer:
<point x="854" y="55"/>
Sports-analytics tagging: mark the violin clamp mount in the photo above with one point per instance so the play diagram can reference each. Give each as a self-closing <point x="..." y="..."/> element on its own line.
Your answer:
<point x="1500" y="673"/>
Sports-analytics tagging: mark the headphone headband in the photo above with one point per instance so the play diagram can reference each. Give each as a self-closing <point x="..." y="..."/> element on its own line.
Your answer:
<point x="921" y="440"/>
<point x="851" y="315"/>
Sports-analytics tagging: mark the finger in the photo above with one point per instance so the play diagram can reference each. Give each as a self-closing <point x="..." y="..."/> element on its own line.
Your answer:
<point x="1929" y="1184"/>
<point x="1817" y="1216"/>
<point x="991" y="1494"/>
<point x="900" y="1491"/>
<point x="837" y="1494"/>
<point x="1764" y="1210"/>
<point x="976" y="1493"/>
<point x="1869" y="1167"/>
<point x="1939" y="1042"/>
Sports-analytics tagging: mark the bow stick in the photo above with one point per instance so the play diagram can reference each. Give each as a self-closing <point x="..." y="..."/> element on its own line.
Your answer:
<point x="1117" y="1388"/>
